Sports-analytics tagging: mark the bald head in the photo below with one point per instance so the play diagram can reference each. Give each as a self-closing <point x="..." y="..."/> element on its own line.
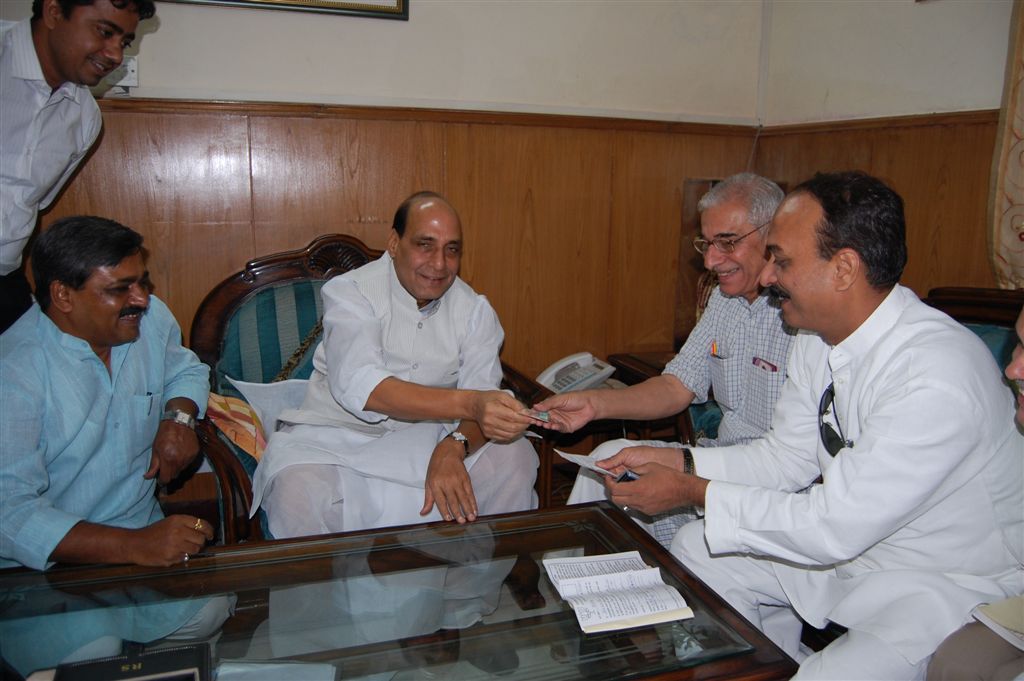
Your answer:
<point x="426" y="246"/>
<point x="419" y="201"/>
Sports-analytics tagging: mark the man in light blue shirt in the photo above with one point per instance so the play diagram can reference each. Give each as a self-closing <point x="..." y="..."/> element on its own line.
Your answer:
<point x="98" y="401"/>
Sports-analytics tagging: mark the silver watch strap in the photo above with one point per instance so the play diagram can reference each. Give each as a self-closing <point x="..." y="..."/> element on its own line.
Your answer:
<point x="459" y="437"/>
<point x="179" y="416"/>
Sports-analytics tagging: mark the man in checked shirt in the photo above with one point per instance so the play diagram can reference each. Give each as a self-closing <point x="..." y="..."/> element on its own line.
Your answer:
<point x="738" y="348"/>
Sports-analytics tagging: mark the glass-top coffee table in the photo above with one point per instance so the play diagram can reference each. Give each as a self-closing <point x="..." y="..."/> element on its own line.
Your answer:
<point x="426" y="601"/>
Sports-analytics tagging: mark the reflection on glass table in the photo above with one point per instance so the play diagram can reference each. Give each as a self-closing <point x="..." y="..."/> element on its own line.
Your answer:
<point x="428" y="601"/>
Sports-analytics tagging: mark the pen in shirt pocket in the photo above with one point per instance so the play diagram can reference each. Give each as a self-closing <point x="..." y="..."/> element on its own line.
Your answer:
<point x="717" y="350"/>
<point x="150" y="409"/>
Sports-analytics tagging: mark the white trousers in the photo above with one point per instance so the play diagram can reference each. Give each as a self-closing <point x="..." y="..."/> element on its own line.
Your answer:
<point x="308" y="498"/>
<point x="751" y="586"/>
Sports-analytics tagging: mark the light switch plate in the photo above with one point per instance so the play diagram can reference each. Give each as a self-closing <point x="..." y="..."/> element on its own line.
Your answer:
<point x="125" y="75"/>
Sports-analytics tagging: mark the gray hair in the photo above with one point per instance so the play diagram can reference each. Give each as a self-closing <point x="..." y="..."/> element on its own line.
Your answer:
<point x="761" y="195"/>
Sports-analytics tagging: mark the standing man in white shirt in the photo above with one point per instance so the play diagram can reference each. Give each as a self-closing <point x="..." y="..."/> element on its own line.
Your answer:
<point x="901" y="412"/>
<point x="48" y="117"/>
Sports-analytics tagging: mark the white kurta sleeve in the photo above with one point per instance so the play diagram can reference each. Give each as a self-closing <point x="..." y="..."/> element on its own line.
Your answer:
<point x="480" y="368"/>
<point x="353" y="340"/>
<point x="911" y="450"/>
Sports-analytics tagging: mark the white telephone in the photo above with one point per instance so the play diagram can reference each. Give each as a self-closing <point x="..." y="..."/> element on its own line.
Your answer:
<point x="575" y="372"/>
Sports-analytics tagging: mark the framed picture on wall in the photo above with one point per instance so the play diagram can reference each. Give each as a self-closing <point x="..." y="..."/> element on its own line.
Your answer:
<point x="377" y="9"/>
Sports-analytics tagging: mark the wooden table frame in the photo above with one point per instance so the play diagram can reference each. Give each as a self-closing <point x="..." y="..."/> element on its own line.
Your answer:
<point x="252" y="569"/>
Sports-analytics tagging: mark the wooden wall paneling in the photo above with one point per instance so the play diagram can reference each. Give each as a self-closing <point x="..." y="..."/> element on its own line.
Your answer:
<point x="944" y="178"/>
<point x="182" y="181"/>
<point x="646" y="262"/>
<point x="939" y="165"/>
<point x="572" y="224"/>
<point x="535" y="212"/>
<point x="688" y="278"/>
<point x="316" y="175"/>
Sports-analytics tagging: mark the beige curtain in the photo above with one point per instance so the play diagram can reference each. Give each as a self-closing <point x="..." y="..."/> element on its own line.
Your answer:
<point x="1007" y="204"/>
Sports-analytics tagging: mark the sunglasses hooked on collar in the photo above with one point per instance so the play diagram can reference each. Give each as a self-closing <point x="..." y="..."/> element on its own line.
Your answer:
<point x="833" y="441"/>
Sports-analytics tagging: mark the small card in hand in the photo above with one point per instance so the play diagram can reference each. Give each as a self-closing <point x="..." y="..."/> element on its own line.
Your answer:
<point x="590" y="463"/>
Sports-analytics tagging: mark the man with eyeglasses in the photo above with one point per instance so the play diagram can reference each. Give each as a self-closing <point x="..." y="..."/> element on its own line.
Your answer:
<point x="919" y="514"/>
<point x="738" y="348"/>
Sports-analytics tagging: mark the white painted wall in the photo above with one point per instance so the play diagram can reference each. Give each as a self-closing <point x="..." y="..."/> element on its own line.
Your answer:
<point x="695" y="60"/>
<point x="834" y="60"/>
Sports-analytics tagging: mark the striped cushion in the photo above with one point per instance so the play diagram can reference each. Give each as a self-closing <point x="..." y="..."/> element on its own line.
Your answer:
<point x="264" y="332"/>
<point x="999" y="339"/>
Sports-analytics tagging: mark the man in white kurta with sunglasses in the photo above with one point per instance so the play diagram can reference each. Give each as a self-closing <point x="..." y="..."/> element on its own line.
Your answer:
<point x="918" y="516"/>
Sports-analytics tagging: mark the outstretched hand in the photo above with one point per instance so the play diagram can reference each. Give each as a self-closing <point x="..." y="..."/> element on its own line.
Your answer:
<point x="501" y="417"/>
<point x="567" y="412"/>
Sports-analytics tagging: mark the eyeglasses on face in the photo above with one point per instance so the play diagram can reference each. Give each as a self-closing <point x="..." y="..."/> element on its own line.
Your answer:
<point x="725" y="244"/>
<point x="832" y="440"/>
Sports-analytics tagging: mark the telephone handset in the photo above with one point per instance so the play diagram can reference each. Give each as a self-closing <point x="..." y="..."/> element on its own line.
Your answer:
<point x="575" y="372"/>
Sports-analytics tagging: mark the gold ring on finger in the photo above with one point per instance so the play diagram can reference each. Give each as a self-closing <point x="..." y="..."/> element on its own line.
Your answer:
<point x="199" y="524"/>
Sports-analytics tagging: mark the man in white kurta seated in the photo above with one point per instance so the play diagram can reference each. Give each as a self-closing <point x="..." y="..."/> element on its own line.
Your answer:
<point x="402" y="421"/>
<point x="918" y="515"/>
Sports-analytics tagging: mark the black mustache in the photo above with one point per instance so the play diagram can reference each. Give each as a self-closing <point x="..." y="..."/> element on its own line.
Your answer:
<point x="777" y="294"/>
<point x="134" y="309"/>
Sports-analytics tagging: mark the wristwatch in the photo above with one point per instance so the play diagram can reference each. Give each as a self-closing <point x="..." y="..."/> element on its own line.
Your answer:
<point x="459" y="437"/>
<point x="688" y="467"/>
<point x="179" y="416"/>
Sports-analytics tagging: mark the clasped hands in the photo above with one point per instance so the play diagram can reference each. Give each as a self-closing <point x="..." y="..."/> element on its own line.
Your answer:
<point x="174" y="538"/>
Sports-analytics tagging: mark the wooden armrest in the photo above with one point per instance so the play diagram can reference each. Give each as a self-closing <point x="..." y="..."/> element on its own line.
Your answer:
<point x="234" y="483"/>
<point x="526" y="390"/>
<point x="636" y="367"/>
<point x="969" y="305"/>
